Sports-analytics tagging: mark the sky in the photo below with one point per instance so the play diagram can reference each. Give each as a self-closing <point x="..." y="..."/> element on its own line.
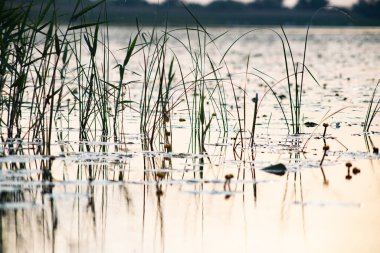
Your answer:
<point x="289" y="3"/>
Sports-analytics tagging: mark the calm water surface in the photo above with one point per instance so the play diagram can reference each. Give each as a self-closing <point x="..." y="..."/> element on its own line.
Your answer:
<point x="125" y="207"/>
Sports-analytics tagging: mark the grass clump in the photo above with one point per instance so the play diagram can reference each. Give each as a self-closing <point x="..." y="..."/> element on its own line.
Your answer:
<point x="44" y="63"/>
<point x="373" y="109"/>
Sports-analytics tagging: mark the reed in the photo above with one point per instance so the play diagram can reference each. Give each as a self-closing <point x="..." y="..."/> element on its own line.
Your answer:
<point x="373" y="109"/>
<point x="167" y="84"/>
<point x="19" y="58"/>
<point x="295" y="76"/>
<point x="156" y="88"/>
<point x="45" y="64"/>
<point x="54" y="64"/>
<point x="36" y="53"/>
<point x="91" y="89"/>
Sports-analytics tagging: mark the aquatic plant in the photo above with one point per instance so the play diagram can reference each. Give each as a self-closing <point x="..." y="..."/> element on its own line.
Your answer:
<point x="17" y="51"/>
<point x="294" y="78"/>
<point x="348" y="165"/>
<point x="119" y="102"/>
<point x="36" y="72"/>
<point x="373" y="109"/>
<point x="156" y="89"/>
<point x="61" y="76"/>
<point x="325" y="149"/>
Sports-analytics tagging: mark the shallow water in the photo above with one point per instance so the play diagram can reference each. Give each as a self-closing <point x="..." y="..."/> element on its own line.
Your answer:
<point x="112" y="199"/>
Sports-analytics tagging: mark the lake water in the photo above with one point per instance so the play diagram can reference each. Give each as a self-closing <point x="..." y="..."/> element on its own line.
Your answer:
<point x="121" y="197"/>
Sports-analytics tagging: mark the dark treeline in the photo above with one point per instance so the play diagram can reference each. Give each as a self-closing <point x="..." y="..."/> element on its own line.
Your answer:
<point x="231" y="12"/>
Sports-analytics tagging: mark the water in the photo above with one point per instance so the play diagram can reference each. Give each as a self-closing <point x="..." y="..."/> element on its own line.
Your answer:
<point x="117" y="197"/>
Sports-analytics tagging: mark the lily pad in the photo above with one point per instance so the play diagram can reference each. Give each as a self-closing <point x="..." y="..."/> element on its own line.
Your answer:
<point x="310" y="124"/>
<point x="277" y="169"/>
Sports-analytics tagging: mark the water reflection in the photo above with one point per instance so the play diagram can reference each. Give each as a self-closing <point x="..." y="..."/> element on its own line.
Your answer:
<point x="96" y="215"/>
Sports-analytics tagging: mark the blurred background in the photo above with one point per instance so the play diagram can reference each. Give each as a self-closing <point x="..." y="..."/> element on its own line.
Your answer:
<point x="236" y="13"/>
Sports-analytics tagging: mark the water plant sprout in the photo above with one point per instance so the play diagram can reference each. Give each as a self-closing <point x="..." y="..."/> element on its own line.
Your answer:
<point x="373" y="109"/>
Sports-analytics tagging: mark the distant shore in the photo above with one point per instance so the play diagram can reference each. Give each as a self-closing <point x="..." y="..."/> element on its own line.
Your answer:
<point x="234" y="17"/>
<point x="226" y="13"/>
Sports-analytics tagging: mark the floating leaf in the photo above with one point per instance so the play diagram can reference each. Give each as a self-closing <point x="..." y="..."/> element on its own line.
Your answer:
<point x="310" y="124"/>
<point x="127" y="102"/>
<point x="277" y="169"/>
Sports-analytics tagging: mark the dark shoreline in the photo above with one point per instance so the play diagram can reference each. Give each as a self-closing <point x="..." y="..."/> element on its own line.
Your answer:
<point x="180" y="16"/>
<point x="216" y="14"/>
